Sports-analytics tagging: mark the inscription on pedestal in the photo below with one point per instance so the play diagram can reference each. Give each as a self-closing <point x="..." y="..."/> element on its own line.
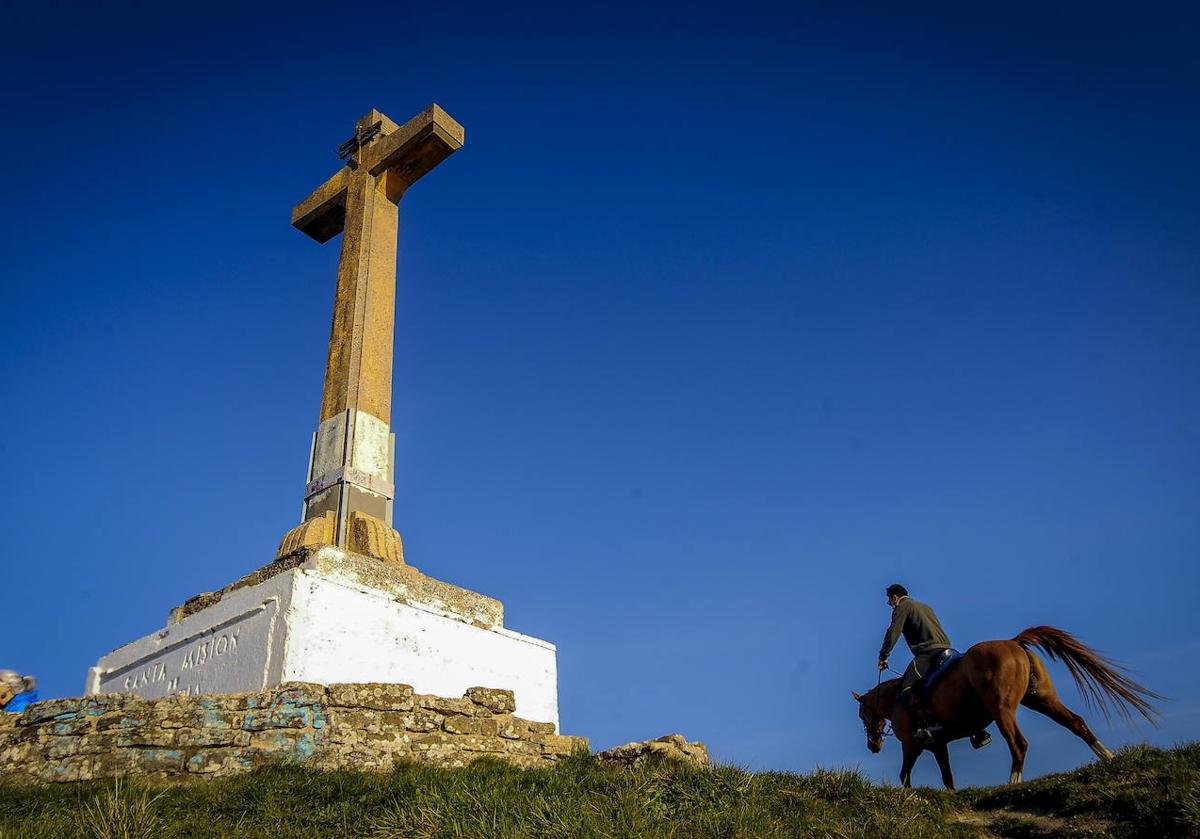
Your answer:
<point x="229" y="657"/>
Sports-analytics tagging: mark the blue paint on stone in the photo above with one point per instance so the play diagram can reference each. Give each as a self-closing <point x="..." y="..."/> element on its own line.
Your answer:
<point x="96" y="708"/>
<point x="293" y="710"/>
<point x="210" y="715"/>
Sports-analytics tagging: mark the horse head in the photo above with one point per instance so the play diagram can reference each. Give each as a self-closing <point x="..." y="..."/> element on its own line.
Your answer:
<point x="872" y="719"/>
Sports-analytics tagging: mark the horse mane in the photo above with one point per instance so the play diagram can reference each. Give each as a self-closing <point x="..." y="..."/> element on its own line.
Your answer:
<point x="1103" y="682"/>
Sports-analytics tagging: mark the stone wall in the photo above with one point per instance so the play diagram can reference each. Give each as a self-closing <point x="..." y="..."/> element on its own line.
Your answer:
<point x="366" y="726"/>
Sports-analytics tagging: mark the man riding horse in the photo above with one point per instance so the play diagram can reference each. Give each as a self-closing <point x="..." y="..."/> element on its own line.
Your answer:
<point x="987" y="684"/>
<point x="929" y="644"/>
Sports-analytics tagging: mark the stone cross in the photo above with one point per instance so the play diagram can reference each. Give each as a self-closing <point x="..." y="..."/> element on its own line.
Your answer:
<point x="351" y="476"/>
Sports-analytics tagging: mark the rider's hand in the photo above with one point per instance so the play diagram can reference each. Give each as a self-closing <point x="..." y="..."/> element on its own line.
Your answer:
<point x="883" y="664"/>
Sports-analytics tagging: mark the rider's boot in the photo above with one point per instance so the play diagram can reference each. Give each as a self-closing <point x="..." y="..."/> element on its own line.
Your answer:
<point x="980" y="739"/>
<point x="926" y="728"/>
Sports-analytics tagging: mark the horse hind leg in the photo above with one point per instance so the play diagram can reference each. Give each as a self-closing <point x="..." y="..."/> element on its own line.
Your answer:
<point x="1000" y="685"/>
<point x="1006" y="722"/>
<point x="1051" y="707"/>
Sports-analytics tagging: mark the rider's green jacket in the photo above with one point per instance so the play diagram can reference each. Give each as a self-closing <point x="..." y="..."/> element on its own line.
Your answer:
<point x="920" y="627"/>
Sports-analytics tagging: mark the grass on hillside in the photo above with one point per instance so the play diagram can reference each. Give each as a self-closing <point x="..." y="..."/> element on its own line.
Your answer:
<point x="1143" y="792"/>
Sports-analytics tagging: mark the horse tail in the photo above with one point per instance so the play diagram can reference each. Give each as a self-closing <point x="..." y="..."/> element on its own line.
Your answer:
<point x="1101" y="681"/>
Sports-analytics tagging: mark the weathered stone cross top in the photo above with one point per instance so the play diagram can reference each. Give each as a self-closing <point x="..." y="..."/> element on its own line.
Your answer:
<point x="351" y="476"/>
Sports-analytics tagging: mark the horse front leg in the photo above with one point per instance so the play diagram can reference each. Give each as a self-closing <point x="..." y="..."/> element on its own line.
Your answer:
<point x="942" y="753"/>
<point x="911" y="752"/>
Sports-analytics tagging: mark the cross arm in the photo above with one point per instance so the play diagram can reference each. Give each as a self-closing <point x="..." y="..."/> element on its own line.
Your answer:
<point x="322" y="215"/>
<point x="417" y="146"/>
<point x="406" y="153"/>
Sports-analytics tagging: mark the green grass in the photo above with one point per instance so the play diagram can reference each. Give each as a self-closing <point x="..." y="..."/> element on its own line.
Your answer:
<point x="1144" y="792"/>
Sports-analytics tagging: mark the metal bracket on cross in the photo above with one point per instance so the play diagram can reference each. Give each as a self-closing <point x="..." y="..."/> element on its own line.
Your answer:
<point x="351" y="476"/>
<point x="361" y="138"/>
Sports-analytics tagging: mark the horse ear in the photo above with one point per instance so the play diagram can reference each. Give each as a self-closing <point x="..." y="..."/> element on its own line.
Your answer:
<point x="857" y="698"/>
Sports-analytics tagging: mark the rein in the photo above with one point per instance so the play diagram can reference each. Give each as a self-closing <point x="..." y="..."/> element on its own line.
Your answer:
<point x="887" y="725"/>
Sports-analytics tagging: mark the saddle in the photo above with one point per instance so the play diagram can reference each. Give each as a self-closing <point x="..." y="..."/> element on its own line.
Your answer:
<point x="941" y="665"/>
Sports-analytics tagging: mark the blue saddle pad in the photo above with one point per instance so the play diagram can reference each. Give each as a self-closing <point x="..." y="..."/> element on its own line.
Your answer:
<point x="947" y="659"/>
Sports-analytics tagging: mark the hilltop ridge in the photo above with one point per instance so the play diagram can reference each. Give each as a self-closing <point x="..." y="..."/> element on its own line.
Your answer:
<point x="1144" y="791"/>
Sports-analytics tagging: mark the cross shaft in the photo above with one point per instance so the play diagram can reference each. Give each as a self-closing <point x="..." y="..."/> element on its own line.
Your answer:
<point x="351" y="470"/>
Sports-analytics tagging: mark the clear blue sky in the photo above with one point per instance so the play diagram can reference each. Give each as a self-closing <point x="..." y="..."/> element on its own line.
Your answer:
<point x="724" y="318"/>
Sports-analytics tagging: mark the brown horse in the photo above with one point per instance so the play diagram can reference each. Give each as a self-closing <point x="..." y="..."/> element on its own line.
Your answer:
<point x="988" y="683"/>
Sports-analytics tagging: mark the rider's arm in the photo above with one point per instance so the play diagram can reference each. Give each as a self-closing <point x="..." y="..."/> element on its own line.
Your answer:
<point x="899" y="614"/>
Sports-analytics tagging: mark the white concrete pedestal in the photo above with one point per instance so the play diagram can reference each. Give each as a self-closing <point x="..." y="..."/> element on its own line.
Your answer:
<point x="327" y="620"/>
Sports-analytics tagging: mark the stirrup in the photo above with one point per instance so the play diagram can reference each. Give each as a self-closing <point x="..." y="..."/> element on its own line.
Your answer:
<point x="980" y="739"/>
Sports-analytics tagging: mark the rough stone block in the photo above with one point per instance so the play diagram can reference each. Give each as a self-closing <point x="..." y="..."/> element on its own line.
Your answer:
<point x="422" y="719"/>
<point x="522" y="747"/>
<point x="282" y="744"/>
<point x="558" y="744"/>
<point x="300" y="693"/>
<point x="208" y="736"/>
<point x="495" y="700"/>
<point x="446" y="705"/>
<point x="61" y="747"/>
<point x="101" y="704"/>
<point x="480" y="743"/>
<point x="173" y="716"/>
<point x="433" y="740"/>
<point x="71" y="726"/>
<point x="76" y="768"/>
<point x="149" y="735"/>
<point x="377" y="695"/>
<point x="221" y="762"/>
<point x="510" y="727"/>
<point x="275" y="718"/>
<point x="458" y="724"/>
<point x="453" y="745"/>
<point x="121" y="722"/>
<point x="137" y="761"/>
<point x="51" y="709"/>
<point x="215" y="762"/>
<point x="368" y="723"/>
<point x="15" y="755"/>
<point x="673" y="746"/>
